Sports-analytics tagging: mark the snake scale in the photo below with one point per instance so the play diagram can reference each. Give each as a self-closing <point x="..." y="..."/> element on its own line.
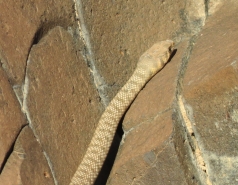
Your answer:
<point x="148" y="65"/>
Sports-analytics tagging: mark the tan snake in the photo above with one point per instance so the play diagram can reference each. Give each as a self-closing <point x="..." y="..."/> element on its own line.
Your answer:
<point x="148" y="65"/>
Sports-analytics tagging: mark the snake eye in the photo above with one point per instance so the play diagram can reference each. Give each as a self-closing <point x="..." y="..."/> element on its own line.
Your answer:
<point x="171" y="49"/>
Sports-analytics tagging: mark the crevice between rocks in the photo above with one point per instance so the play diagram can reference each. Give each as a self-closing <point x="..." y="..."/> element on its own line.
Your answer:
<point x="21" y="92"/>
<point x="206" y="3"/>
<point x="193" y="142"/>
<point x="183" y="125"/>
<point x="89" y="55"/>
<point x="186" y="142"/>
<point x="101" y="87"/>
<point x="27" y="113"/>
<point x="25" y="90"/>
<point x="11" y="149"/>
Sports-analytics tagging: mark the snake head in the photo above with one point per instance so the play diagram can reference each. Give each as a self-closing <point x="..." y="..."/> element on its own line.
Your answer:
<point x="156" y="57"/>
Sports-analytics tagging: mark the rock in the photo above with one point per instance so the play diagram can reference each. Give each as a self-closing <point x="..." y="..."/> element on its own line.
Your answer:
<point x="23" y="23"/>
<point x="181" y="128"/>
<point x="60" y="101"/>
<point x="11" y="118"/>
<point x="27" y="163"/>
<point x="208" y="102"/>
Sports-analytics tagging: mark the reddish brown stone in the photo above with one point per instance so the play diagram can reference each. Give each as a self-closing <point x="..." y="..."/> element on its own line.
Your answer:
<point x="11" y="173"/>
<point x="211" y="79"/>
<point x="35" y="168"/>
<point x="148" y="155"/>
<point x="210" y="94"/>
<point x="26" y="165"/>
<point x="11" y="117"/>
<point x="23" y="22"/>
<point x="62" y="102"/>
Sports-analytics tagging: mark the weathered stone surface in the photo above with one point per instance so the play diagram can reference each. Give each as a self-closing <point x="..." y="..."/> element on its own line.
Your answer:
<point x="23" y="23"/>
<point x="27" y="164"/>
<point x="61" y="102"/>
<point x="120" y="31"/>
<point x="62" y="105"/>
<point x="11" y="117"/>
<point x="210" y="98"/>
<point x="214" y="5"/>
<point x="147" y="155"/>
<point x="194" y="14"/>
<point x="11" y="173"/>
<point x="35" y="168"/>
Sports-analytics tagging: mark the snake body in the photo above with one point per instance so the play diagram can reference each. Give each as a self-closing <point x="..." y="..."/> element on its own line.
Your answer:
<point x="148" y="65"/>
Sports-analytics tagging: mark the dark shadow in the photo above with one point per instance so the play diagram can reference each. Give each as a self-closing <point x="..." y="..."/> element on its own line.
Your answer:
<point x="109" y="161"/>
<point x="107" y="166"/>
<point x="9" y="152"/>
<point x="172" y="55"/>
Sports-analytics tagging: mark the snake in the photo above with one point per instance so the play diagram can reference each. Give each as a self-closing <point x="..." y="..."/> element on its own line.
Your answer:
<point x="152" y="61"/>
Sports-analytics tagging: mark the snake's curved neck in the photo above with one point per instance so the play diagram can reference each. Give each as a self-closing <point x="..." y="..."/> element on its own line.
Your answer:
<point x="106" y="128"/>
<point x="149" y="64"/>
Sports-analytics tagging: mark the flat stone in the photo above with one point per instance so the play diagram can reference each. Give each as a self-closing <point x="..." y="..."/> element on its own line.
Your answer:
<point x="148" y="155"/>
<point x="210" y="95"/>
<point x="23" y="23"/>
<point x="11" y="173"/>
<point x="11" y="118"/>
<point x="26" y="164"/>
<point x="61" y="101"/>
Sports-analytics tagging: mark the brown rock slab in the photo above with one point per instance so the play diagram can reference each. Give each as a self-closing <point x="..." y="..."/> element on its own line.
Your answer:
<point x="210" y="95"/>
<point x="61" y="102"/>
<point x="26" y="165"/>
<point x="120" y="31"/>
<point x="11" y="173"/>
<point x="147" y="155"/>
<point x="11" y="117"/>
<point x="23" y="23"/>
<point x="35" y="168"/>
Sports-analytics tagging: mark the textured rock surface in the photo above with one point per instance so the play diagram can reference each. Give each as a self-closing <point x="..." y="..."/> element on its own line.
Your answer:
<point x="210" y="97"/>
<point x="125" y="29"/>
<point x="35" y="168"/>
<point x="11" y="173"/>
<point x="27" y="164"/>
<point x="23" y="22"/>
<point x="60" y="91"/>
<point x="181" y="129"/>
<point x="11" y="118"/>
